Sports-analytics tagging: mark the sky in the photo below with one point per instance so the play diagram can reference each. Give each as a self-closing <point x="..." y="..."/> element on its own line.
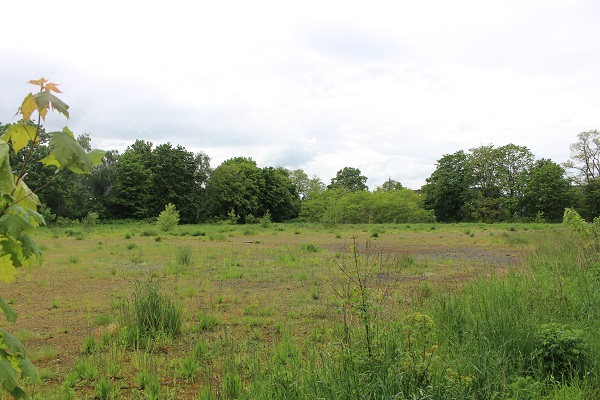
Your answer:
<point x="387" y="87"/>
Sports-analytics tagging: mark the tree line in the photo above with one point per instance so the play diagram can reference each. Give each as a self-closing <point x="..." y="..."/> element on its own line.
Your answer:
<point x="485" y="183"/>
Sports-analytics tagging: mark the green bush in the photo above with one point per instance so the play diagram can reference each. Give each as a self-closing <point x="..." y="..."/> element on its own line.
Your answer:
<point x="562" y="351"/>
<point x="168" y="218"/>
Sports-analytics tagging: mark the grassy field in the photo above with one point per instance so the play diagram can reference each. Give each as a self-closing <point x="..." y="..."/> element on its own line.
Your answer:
<point x="307" y="311"/>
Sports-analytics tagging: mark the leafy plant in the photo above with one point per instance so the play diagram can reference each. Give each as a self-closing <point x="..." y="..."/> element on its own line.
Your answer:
<point x="561" y="350"/>
<point x="168" y="218"/>
<point x="19" y="214"/>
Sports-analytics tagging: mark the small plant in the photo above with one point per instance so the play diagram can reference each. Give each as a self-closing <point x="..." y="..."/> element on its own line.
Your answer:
<point x="90" y="219"/>
<point x="168" y="218"/>
<point x="206" y="322"/>
<point x="143" y="378"/>
<point x="308" y="248"/>
<point x="232" y="217"/>
<point x="105" y="389"/>
<point x="90" y="346"/>
<point x="152" y="390"/>
<point x="232" y="385"/>
<point x="184" y="256"/>
<point x="188" y="368"/>
<point x="562" y="351"/>
<point x="200" y="350"/>
<point x="265" y="221"/>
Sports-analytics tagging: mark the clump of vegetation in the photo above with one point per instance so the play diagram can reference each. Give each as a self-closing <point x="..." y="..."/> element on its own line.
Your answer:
<point x="150" y="316"/>
<point x="168" y="218"/>
<point x="265" y="221"/>
<point x="562" y="351"/>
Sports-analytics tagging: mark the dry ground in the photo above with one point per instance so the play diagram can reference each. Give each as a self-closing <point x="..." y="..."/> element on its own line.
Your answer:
<point x="249" y="278"/>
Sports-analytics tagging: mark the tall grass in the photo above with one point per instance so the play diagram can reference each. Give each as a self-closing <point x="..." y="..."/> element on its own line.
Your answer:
<point x="528" y="334"/>
<point x="492" y="329"/>
<point x="150" y="316"/>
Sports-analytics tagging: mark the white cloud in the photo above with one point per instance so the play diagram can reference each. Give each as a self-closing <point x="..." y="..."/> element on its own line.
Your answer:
<point x="384" y="86"/>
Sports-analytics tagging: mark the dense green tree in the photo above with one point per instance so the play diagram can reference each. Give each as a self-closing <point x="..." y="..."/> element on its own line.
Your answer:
<point x="132" y="194"/>
<point x="99" y="184"/>
<point x="449" y="188"/>
<point x="590" y="199"/>
<point x="338" y="206"/>
<point x="349" y="179"/>
<point x="236" y="186"/>
<point x="176" y="180"/>
<point x="548" y="192"/>
<point x="306" y="186"/>
<point x="279" y="196"/>
<point x="514" y="165"/>
<point x="390" y="186"/>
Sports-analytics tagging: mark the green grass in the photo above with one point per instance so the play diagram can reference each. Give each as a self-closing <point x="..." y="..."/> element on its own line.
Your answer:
<point x="453" y="311"/>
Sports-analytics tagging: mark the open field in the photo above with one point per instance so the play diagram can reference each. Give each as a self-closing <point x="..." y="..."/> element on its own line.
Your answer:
<point x="244" y="290"/>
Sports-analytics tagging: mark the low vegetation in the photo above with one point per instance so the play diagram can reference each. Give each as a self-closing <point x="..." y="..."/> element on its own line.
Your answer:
<point x="311" y="311"/>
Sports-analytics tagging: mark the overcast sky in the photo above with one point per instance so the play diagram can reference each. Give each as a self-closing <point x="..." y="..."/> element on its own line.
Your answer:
<point x="384" y="86"/>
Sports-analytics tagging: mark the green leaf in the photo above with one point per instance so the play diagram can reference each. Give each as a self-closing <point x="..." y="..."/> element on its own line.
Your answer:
<point x="13" y="226"/>
<point x="67" y="153"/>
<point x="43" y="100"/>
<point x="19" y="394"/>
<point x="9" y="313"/>
<point x="25" y="198"/>
<point x="20" y="134"/>
<point x="11" y="345"/>
<point x="30" y="248"/>
<point x="8" y="375"/>
<point x="14" y="250"/>
<point x="7" y="184"/>
<point x="28" y="370"/>
<point x="7" y="269"/>
<point x="96" y="156"/>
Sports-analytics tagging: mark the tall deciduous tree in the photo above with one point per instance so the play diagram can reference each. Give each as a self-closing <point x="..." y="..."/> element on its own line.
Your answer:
<point x="306" y="186"/>
<point x="132" y="192"/>
<point x="548" y="192"/>
<point x="236" y="186"/>
<point x="514" y="165"/>
<point x="177" y="180"/>
<point x="448" y="189"/>
<point x="585" y="156"/>
<point x="349" y="179"/>
<point x="279" y="196"/>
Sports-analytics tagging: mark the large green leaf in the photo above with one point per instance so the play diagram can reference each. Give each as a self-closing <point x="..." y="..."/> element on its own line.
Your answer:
<point x="14" y="250"/>
<point x="13" y="226"/>
<point x="25" y="198"/>
<point x="19" y="394"/>
<point x="20" y="134"/>
<point x="28" y="370"/>
<point x="30" y="248"/>
<point x="7" y="184"/>
<point x="11" y="345"/>
<point x="96" y="156"/>
<point x="9" y="313"/>
<point x="7" y="269"/>
<point x="45" y="99"/>
<point x="8" y="375"/>
<point x="67" y="153"/>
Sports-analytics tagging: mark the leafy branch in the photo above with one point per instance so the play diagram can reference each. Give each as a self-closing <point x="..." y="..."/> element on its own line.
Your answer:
<point x="19" y="214"/>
